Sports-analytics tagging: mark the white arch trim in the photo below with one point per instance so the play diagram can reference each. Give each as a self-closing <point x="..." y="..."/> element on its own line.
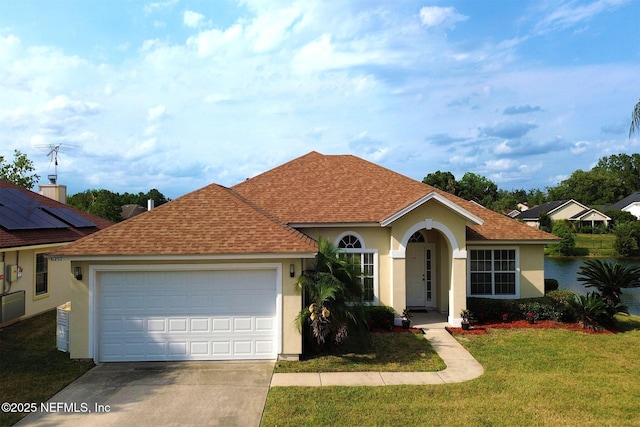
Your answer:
<point x="429" y="224"/>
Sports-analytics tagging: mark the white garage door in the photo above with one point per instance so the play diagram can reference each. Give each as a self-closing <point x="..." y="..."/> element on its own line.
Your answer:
<point x="187" y="315"/>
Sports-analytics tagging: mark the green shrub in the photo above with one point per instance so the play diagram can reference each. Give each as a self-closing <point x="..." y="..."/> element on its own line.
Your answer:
<point x="564" y="302"/>
<point x="543" y="308"/>
<point x="626" y="243"/>
<point x="380" y="316"/>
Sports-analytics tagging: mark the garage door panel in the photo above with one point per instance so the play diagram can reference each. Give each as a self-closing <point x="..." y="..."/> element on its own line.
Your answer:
<point x="184" y="315"/>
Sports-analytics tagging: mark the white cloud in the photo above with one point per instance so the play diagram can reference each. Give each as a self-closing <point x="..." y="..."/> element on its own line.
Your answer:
<point x="572" y="13"/>
<point x="268" y="30"/>
<point x="275" y="80"/>
<point x="155" y="6"/>
<point x="501" y="165"/>
<point x="579" y="147"/>
<point x="435" y="16"/>
<point x="192" y="19"/>
<point x="156" y="113"/>
<point x="503" y="148"/>
<point x="210" y="41"/>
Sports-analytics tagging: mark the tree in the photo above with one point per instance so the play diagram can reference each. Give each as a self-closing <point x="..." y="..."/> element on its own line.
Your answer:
<point x="564" y="230"/>
<point x="625" y="169"/>
<point x="609" y="278"/>
<point x="478" y="188"/>
<point x="594" y="187"/>
<point x="19" y="172"/>
<point x="545" y="222"/>
<point x="102" y="203"/>
<point x="444" y="181"/>
<point x="635" y="119"/>
<point x="108" y="205"/>
<point x="627" y="238"/>
<point x="332" y="292"/>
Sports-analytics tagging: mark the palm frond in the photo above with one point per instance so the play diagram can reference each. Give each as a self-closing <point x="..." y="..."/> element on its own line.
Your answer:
<point x="635" y="120"/>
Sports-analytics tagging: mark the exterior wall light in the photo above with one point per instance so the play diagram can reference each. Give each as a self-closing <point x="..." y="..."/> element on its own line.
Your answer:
<point x="292" y="270"/>
<point x="77" y="272"/>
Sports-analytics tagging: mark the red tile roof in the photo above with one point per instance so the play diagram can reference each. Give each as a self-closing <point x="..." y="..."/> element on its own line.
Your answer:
<point x="211" y="220"/>
<point x="21" y="238"/>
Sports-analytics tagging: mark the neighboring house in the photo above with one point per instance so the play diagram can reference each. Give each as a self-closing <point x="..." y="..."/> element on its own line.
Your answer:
<point x="31" y="226"/>
<point x="575" y="212"/>
<point x="629" y="204"/>
<point x="211" y="275"/>
<point x="129" y="211"/>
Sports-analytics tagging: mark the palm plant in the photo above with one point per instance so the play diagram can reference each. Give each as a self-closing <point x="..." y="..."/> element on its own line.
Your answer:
<point x="591" y="310"/>
<point x="635" y="119"/>
<point x="609" y="278"/>
<point x="332" y="292"/>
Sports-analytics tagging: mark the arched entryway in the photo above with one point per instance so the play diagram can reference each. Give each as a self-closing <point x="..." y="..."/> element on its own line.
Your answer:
<point x="421" y="269"/>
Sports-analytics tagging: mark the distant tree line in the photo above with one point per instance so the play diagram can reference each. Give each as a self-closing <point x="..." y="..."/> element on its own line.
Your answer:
<point x="108" y="205"/>
<point x="610" y="180"/>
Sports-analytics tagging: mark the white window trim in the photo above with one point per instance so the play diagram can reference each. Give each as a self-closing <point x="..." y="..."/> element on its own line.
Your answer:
<point x="37" y="296"/>
<point x="363" y="249"/>
<point x="493" y="294"/>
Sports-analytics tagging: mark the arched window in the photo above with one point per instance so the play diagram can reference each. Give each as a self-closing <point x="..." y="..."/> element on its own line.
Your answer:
<point x="352" y="247"/>
<point x="417" y="237"/>
<point x="350" y="242"/>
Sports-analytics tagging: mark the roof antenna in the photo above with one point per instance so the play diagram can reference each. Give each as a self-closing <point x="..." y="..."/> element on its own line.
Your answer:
<point x="54" y="152"/>
<point x="53" y="157"/>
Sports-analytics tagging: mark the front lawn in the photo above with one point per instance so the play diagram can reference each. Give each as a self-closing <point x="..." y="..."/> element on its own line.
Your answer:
<point x="31" y="368"/>
<point x="389" y="351"/>
<point x="532" y="377"/>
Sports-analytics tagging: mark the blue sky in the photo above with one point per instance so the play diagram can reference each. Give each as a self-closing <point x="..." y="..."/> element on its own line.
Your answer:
<point x="178" y="94"/>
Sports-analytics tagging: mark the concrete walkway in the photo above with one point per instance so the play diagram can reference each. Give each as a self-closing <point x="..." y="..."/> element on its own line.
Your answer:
<point x="461" y="366"/>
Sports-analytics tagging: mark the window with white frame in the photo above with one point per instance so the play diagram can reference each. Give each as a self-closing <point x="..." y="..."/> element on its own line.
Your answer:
<point x="493" y="272"/>
<point x="42" y="272"/>
<point x="353" y="247"/>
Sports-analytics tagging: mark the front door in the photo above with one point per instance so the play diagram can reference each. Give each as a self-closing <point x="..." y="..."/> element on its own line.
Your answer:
<point x="421" y="278"/>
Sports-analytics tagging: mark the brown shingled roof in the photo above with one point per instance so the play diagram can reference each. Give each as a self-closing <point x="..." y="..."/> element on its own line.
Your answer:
<point x="31" y="237"/>
<point x="211" y="220"/>
<point x="253" y="216"/>
<point x="318" y="188"/>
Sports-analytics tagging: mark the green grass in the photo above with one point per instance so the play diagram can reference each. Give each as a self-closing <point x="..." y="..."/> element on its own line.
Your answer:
<point x="596" y="244"/>
<point x="532" y="377"/>
<point x="404" y="351"/>
<point x="31" y="368"/>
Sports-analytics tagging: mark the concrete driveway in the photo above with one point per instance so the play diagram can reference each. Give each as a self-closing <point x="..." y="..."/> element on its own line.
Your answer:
<point x="161" y="394"/>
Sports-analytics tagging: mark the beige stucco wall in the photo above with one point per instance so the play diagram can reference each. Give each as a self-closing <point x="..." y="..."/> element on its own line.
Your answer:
<point x="531" y="271"/>
<point x="291" y="303"/>
<point x="392" y="271"/>
<point x="567" y="211"/>
<point x="375" y="237"/>
<point x="58" y="279"/>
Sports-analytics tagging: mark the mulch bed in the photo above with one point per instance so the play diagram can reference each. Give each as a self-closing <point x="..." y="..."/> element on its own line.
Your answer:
<point x="522" y="324"/>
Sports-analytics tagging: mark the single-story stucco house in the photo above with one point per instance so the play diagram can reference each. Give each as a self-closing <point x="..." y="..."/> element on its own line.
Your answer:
<point x="570" y="210"/>
<point x="210" y="275"/>
<point x="32" y="226"/>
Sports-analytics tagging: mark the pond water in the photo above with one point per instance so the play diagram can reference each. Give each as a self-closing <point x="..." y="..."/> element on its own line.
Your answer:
<point x="565" y="271"/>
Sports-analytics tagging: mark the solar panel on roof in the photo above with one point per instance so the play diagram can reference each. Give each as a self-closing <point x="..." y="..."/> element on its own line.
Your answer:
<point x="27" y="218"/>
<point x="70" y="217"/>
<point x="15" y="197"/>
